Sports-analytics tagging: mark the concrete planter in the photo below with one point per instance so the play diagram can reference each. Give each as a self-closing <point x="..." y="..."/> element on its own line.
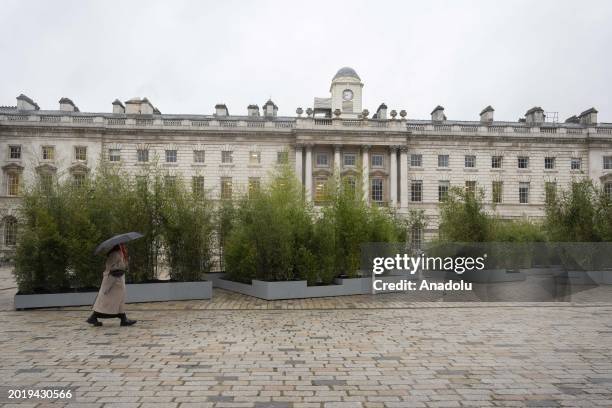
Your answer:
<point x="136" y="293"/>
<point x="299" y="289"/>
<point x="590" y="277"/>
<point x="493" y="276"/>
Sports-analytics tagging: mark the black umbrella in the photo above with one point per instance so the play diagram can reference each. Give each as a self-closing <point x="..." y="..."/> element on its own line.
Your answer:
<point x="110" y="243"/>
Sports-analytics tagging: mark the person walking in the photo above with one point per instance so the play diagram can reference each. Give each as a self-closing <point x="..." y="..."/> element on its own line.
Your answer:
<point x="110" y="301"/>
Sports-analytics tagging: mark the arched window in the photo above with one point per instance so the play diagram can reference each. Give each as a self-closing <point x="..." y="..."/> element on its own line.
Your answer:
<point x="10" y="231"/>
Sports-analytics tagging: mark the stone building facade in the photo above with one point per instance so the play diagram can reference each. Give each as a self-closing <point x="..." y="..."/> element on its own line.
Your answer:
<point x="406" y="164"/>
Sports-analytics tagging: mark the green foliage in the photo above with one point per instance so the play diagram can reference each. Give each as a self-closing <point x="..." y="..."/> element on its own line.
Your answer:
<point x="463" y="217"/>
<point x="571" y="215"/>
<point x="62" y="223"/>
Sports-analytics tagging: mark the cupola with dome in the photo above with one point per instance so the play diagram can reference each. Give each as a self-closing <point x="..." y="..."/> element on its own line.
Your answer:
<point x="346" y="95"/>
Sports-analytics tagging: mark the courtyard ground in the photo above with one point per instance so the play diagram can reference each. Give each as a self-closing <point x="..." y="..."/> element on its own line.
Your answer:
<point x="356" y="351"/>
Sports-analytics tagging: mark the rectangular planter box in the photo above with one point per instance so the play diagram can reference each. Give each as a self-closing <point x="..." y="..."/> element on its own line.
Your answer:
<point x="299" y="289"/>
<point x="136" y="293"/>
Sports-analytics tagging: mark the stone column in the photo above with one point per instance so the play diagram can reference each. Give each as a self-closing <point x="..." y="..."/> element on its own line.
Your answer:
<point x="365" y="164"/>
<point x="299" y="165"/>
<point x="403" y="180"/>
<point x="393" y="176"/>
<point x="337" y="163"/>
<point x="308" y="173"/>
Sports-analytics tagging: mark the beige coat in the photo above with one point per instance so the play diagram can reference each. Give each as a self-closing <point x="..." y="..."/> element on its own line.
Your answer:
<point x="111" y="297"/>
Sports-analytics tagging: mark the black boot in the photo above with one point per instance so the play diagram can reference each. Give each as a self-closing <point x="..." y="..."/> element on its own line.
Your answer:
<point x="93" y="320"/>
<point x="125" y="321"/>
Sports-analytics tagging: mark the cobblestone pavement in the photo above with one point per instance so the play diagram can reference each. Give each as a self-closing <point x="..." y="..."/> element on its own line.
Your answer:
<point x="422" y="355"/>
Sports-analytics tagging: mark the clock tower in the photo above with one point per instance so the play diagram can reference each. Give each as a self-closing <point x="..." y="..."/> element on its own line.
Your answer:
<point x="346" y="90"/>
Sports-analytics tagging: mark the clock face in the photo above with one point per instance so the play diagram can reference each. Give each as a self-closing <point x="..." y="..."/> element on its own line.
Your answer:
<point x="347" y="95"/>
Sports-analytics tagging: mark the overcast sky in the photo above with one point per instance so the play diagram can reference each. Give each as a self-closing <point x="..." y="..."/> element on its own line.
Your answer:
<point x="188" y="56"/>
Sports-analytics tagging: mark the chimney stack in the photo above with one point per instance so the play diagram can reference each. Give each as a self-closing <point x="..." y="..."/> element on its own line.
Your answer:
<point x="253" y="110"/>
<point x="26" y="104"/>
<point x="67" y="105"/>
<point x="137" y="106"/>
<point x="588" y="117"/>
<point x="535" y="115"/>
<point x="118" y="107"/>
<point x="381" y="112"/>
<point x="437" y="115"/>
<point x="221" y="110"/>
<point x="270" y="109"/>
<point x="486" y="115"/>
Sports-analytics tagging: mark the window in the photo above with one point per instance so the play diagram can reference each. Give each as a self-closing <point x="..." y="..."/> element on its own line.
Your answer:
<point x="416" y="238"/>
<point x="376" y="190"/>
<point x="350" y="184"/>
<point x="197" y="185"/>
<point x="350" y="159"/>
<point x="322" y="160"/>
<point x="80" y="153"/>
<point x="48" y="152"/>
<point x="443" y="160"/>
<point x="170" y="181"/>
<point x="550" y="189"/>
<point x="226" y="188"/>
<point x="10" y="231"/>
<point x="497" y="191"/>
<point x="378" y="160"/>
<point x="79" y="179"/>
<point x="142" y="155"/>
<point x="470" y="161"/>
<point x="320" y="189"/>
<point x="416" y="160"/>
<point x="497" y="162"/>
<point x="199" y="156"/>
<point x="524" y="193"/>
<point x="607" y="162"/>
<point x="282" y="157"/>
<point x="523" y="162"/>
<point x="46" y="182"/>
<point x="549" y="163"/>
<point x="15" y="152"/>
<point x="114" y="155"/>
<point x="470" y="186"/>
<point x="13" y="184"/>
<point x="576" y="163"/>
<point x="608" y="190"/>
<point x="443" y="187"/>
<point x="416" y="190"/>
<point x="254" y="186"/>
<point x="170" y="156"/>
<point x="227" y="157"/>
<point x="254" y="157"/>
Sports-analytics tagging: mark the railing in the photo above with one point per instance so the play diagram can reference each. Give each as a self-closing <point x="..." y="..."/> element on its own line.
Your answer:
<point x="442" y="128"/>
<point x="470" y="129"/>
<point x="228" y="123"/>
<point x="283" y="124"/>
<point x="256" y="124"/>
<point x="496" y="129"/>
<point x="604" y="131"/>
<point x="548" y="130"/>
<point x="173" y="122"/>
<point x="323" y="122"/>
<point x="144" y="122"/>
<point x="572" y="131"/>
<point x="520" y="129"/>
<point x="50" y="119"/>
<point x="82" y="120"/>
<point x="417" y="128"/>
<point x="17" y="118"/>
<point x="117" y="121"/>
<point x="200" y="123"/>
<point x="352" y="123"/>
<point x="378" y="124"/>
